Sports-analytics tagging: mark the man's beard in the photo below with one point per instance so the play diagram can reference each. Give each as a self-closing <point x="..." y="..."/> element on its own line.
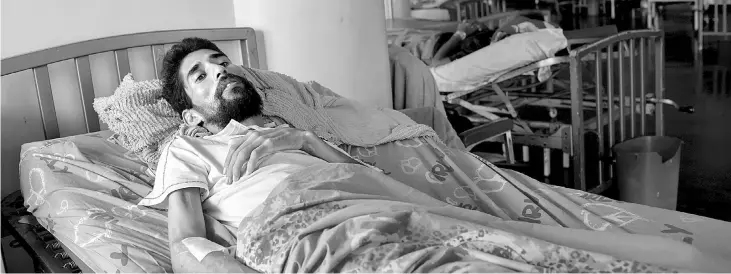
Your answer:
<point x="247" y="104"/>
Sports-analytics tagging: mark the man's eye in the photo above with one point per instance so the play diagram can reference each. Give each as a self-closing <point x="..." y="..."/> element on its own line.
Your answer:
<point x="225" y="64"/>
<point x="200" y="77"/>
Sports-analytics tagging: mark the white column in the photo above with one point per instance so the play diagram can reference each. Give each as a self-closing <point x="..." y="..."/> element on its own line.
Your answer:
<point x="388" y="6"/>
<point x="338" y="43"/>
<point x="401" y="9"/>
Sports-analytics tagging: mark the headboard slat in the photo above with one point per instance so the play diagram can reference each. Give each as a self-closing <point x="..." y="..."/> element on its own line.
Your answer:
<point x="249" y="55"/>
<point x="122" y="60"/>
<point x="244" y="56"/>
<point x="45" y="100"/>
<point x="158" y="52"/>
<point x="86" y="87"/>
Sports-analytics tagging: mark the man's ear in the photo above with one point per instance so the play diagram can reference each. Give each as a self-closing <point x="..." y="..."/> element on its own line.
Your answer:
<point x="192" y="117"/>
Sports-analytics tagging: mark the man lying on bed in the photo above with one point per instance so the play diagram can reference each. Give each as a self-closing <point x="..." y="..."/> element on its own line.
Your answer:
<point x="471" y="36"/>
<point x="302" y="204"/>
<point x="437" y="48"/>
<point x="204" y="86"/>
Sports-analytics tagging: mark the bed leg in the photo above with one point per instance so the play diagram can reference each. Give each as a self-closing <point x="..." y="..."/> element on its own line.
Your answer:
<point x="526" y="154"/>
<point x="566" y="160"/>
<point x="546" y="162"/>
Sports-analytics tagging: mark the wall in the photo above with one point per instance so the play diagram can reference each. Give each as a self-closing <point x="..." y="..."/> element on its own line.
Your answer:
<point x="338" y="43"/>
<point x="30" y="25"/>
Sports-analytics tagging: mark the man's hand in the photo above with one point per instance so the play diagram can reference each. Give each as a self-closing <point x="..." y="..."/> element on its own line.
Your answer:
<point x="469" y="27"/>
<point x="249" y="149"/>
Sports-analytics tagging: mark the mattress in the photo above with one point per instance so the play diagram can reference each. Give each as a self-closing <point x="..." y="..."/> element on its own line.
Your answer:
<point x="84" y="189"/>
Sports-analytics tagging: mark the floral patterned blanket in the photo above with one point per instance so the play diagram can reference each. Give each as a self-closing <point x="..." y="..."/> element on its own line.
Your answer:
<point x="434" y="209"/>
<point x="443" y="210"/>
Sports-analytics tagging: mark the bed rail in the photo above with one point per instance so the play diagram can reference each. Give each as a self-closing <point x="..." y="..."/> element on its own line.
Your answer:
<point x="623" y="84"/>
<point x="713" y="16"/>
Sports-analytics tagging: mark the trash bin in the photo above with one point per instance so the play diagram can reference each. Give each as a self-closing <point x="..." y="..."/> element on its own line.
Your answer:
<point x="647" y="170"/>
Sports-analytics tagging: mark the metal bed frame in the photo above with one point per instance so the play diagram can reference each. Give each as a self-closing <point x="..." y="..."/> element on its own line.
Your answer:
<point x="622" y="65"/>
<point x="513" y="90"/>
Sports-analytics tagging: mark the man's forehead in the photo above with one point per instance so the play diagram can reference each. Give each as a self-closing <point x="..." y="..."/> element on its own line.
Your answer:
<point x="195" y="57"/>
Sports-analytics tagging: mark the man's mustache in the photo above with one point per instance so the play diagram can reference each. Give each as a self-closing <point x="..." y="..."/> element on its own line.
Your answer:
<point x="228" y="79"/>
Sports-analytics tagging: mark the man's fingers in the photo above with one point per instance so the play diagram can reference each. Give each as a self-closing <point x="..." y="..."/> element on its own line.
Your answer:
<point x="233" y="145"/>
<point x="256" y="154"/>
<point x="235" y="153"/>
<point x="233" y="149"/>
<point x="245" y="155"/>
<point x="242" y="157"/>
<point x="236" y="144"/>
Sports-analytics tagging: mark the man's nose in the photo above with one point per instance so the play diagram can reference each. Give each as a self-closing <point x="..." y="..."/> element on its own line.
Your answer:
<point x="221" y="72"/>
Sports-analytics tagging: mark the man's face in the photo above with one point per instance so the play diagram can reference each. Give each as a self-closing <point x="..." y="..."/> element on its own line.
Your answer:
<point x="218" y="94"/>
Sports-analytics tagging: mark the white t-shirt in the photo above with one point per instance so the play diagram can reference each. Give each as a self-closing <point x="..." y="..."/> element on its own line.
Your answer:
<point x="198" y="162"/>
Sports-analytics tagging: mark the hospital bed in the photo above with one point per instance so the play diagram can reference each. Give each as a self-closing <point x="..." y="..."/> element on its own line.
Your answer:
<point x="53" y="91"/>
<point x="48" y="97"/>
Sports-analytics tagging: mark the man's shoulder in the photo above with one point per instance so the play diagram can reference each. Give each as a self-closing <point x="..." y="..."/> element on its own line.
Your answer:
<point x="182" y="142"/>
<point x="182" y="149"/>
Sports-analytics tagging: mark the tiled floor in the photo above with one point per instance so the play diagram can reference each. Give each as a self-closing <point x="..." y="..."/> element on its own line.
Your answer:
<point x="705" y="173"/>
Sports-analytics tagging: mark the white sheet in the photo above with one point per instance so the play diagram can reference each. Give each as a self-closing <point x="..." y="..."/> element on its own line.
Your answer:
<point x="480" y="67"/>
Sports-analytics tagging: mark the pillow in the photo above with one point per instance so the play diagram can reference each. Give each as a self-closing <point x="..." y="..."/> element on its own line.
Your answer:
<point x="140" y="118"/>
<point x="480" y="67"/>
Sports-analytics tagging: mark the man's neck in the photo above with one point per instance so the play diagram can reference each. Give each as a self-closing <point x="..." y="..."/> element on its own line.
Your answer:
<point x="255" y="121"/>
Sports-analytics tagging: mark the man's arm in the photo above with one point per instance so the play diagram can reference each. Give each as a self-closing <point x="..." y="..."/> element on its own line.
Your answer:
<point x="185" y="220"/>
<point x="441" y="58"/>
<point x="464" y="29"/>
<point x="315" y="146"/>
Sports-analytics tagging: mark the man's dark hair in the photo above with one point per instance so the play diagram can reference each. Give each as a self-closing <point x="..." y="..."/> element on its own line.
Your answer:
<point x="173" y="89"/>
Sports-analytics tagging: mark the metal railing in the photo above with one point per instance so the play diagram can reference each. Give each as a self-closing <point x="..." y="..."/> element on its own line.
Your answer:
<point x="627" y="71"/>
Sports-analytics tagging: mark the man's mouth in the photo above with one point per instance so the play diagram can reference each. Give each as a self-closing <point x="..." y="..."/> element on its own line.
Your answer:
<point x="230" y="87"/>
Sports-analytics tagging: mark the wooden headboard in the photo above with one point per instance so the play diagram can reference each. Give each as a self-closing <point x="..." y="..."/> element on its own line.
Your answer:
<point x="49" y="93"/>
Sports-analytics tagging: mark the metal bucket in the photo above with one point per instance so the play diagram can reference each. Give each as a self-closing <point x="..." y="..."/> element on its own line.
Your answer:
<point x="647" y="170"/>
